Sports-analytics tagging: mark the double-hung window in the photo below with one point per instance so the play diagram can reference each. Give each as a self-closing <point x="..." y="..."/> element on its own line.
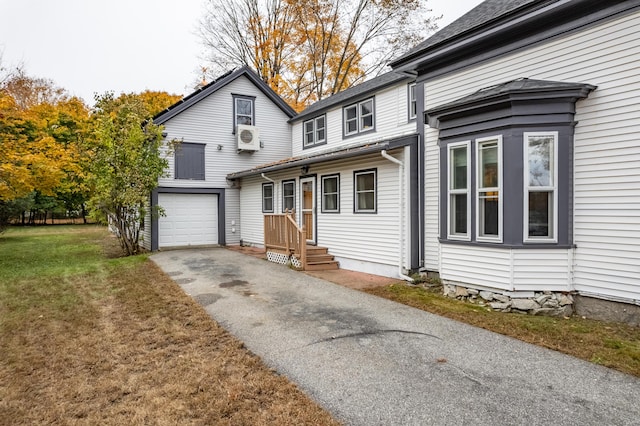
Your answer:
<point x="315" y="131"/>
<point x="365" y="191"/>
<point x="359" y="117"/>
<point x="488" y="189"/>
<point x="243" y="110"/>
<point x="331" y="194"/>
<point x="267" y="198"/>
<point x="459" y="219"/>
<point x="413" y="102"/>
<point x="540" y="179"/>
<point x="288" y="195"/>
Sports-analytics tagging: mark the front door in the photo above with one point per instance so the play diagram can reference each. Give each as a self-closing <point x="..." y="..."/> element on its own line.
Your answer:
<point x="308" y="200"/>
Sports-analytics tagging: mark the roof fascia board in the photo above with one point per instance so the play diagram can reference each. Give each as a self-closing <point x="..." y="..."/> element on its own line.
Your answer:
<point x="196" y="97"/>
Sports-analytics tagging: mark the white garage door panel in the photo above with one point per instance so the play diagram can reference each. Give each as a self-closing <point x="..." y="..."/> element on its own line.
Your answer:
<point x="191" y="220"/>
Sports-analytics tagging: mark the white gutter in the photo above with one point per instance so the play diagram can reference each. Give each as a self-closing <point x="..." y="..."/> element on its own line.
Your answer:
<point x="402" y="218"/>
<point x="267" y="178"/>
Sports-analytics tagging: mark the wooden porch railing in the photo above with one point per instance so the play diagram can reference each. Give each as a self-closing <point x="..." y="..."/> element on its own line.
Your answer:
<point x="281" y="232"/>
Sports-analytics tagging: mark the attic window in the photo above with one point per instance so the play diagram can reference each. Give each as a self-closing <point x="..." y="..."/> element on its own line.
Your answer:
<point x="243" y="110"/>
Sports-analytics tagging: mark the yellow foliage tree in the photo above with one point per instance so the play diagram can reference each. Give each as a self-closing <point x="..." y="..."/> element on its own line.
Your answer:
<point x="307" y="50"/>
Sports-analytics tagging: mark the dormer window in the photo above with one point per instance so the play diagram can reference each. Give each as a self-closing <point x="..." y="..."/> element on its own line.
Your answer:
<point x="359" y="117"/>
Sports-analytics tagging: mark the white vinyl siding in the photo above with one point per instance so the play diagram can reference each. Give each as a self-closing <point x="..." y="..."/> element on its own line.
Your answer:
<point x="348" y="235"/>
<point x="209" y="122"/>
<point x="232" y="216"/>
<point x="390" y="120"/>
<point x="507" y="270"/>
<point x="606" y="173"/>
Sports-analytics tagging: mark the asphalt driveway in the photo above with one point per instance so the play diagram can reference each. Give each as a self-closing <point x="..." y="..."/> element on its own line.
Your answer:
<point x="370" y="361"/>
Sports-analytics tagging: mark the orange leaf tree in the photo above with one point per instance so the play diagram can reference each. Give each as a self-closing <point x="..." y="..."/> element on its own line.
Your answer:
<point x="307" y="50"/>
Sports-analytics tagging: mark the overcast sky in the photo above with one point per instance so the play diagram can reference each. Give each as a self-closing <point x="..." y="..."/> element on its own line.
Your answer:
<point x="93" y="46"/>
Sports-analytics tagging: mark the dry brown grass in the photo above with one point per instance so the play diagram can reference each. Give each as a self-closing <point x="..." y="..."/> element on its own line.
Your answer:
<point x="135" y="350"/>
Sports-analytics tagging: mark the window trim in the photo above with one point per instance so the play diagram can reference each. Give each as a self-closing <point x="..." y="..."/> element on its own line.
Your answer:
<point x="175" y="161"/>
<point x="287" y="182"/>
<point x="356" y="173"/>
<point x="527" y="189"/>
<point x="323" y="209"/>
<point x="236" y="98"/>
<point x="450" y="191"/>
<point x="316" y="142"/>
<point x="411" y="102"/>
<point x="264" y="185"/>
<point x="358" y="118"/>
<point x="500" y="188"/>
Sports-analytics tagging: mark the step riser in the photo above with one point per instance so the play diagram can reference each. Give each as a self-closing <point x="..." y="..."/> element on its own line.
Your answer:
<point x="322" y="267"/>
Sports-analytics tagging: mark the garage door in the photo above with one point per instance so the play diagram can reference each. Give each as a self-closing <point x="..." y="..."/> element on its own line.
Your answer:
<point x="191" y="220"/>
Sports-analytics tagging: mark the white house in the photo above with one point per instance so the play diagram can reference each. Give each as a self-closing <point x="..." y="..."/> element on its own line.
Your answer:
<point x="351" y="180"/>
<point x="530" y="116"/>
<point x="501" y="153"/>
<point x="230" y="124"/>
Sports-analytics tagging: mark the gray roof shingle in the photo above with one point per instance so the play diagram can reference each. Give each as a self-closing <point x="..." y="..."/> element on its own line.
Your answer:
<point x="481" y="15"/>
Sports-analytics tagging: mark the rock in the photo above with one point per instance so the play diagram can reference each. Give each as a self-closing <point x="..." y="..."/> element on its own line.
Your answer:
<point x="540" y="300"/>
<point x="461" y="292"/>
<point x="472" y="291"/>
<point x="551" y="303"/>
<point x="501" y="298"/>
<point x="487" y="295"/>
<point x="565" y="299"/>
<point x="449" y="290"/>
<point x="499" y="306"/>
<point x="524" y="304"/>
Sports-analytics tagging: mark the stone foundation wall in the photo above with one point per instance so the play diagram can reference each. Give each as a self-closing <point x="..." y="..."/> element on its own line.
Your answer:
<point x="542" y="303"/>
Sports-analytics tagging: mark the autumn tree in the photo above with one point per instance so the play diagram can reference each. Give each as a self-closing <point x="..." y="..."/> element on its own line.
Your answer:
<point x="310" y="49"/>
<point x="127" y="163"/>
<point x="41" y="129"/>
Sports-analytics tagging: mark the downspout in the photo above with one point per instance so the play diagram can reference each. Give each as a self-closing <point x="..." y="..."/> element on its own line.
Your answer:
<point x="401" y="204"/>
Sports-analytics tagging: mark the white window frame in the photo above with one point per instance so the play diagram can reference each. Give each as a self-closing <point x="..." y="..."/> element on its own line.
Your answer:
<point x="291" y="182"/>
<point x="314" y="131"/>
<point x="359" y="118"/>
<point x="552" y="188"/>
<point x="356" y="191"/>
<point x="478" y="169"/>
<point x="413" y="101"/>
<point x="450" y="191"/>
<point x="273" y="198"/>
<point x="236" y="114"/>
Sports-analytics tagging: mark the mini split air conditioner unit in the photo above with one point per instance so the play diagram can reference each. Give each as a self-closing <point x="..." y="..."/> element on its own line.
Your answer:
<point x="248" y="138"/>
